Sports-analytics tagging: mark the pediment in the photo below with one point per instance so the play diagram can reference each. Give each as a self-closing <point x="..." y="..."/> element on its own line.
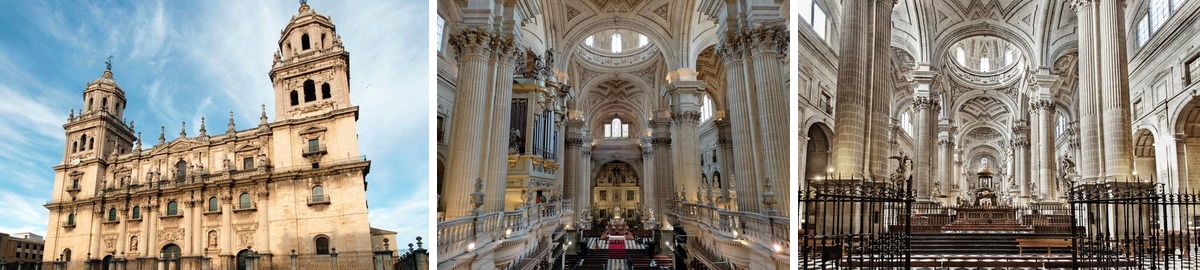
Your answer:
<point x="247" y="148"/>
<point x="180" y="145"/>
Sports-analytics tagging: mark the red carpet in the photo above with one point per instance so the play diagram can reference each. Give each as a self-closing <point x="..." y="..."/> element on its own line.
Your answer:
<point x="616" y="249"/>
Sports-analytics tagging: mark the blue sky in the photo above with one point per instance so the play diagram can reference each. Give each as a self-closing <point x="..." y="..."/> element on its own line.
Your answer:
<point x="183" y="60"/>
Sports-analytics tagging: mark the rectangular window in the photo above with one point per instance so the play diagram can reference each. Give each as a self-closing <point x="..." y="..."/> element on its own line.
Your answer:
<point x="1159" y="12"/>
<point x="826" y="103"/>
<point x="1143" y="31"/>
<point x="441" y="28"/>
<point x="1193" y="70"/>
<point x="818" y="23"/>
<point x="314" y="145"/>
<point x="1137" y="108"/>
<point x="247" y="163"/>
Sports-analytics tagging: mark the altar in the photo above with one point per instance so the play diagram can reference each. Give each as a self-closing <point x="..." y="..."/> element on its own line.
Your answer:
<point x="985" y="212"/>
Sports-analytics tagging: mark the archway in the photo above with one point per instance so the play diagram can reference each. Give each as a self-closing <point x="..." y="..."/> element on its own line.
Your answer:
<point x="817" y="156"/>
<point x="104" y="264"/>
<point x="243" y="261"/>
<point x="170" y="257"/>
<point x="1143" y="155"/>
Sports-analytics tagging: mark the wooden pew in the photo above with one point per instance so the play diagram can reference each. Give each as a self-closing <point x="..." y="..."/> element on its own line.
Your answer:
<point x="1047" y="243"/>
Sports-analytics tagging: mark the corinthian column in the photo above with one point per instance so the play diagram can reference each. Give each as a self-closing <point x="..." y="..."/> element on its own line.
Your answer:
<point x="745" y="163"/>
<point x="685" y="115"/>
<point x="925" y="107"/>
<point x="497" y="154"/>
<point x="772" y="112"/>
<point x="473" y="45"/>
<point x="1020" y="144"/>
<point x="1091" y="159"/>
<point x="1043" y="129"/>
<point x="1114" y="89"/>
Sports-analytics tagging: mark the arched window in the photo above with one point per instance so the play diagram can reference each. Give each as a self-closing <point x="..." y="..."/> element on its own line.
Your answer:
<point x="325" y="91"/>
<point x="74" y="147"/>
<point x="104" y="104"/>
<point x="1061" y="126"/>
<point x="173" y="208"/>
<point x="295" y="96"/>
<point x="71" y="219"/>
<point x="906" y="122"/>
<point x="66" y="255"/>
<point x="590" y="41"/>
<point x="318" y="193"/>
<point x="304" y="45"/>
<point x="322" y="243"/>
<point x="706" y="108"/>
<point x="616" y="43"/>
<point x="89" y="104"/>
<point x="180" y="170"/>
<point x="91" y="143"/>
<point x="310" y="91"/>
<point x="212" y="205"/>
<point x="643" y="40"/>
<point x="137" y="213"/>
<point x="1008" y="57"/>
<point x="244" y="201"/>
<point x="83" y="142"/>
<point x="985" y="64"/>
<point x="112" y="214"/>
<point x="616" y="129"/>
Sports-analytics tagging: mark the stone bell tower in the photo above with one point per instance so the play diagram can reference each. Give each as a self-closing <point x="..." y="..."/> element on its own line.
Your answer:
<point x="311" y="70"/>
<point x="94" y="133"/>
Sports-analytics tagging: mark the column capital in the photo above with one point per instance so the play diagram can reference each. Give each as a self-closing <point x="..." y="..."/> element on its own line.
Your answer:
<point x="1041" y="104"/>
<point x="921" y="103"/>
<point x="1021" y="142"/>
<point x="1079" y="5"/>
<point x="473" y="40"/>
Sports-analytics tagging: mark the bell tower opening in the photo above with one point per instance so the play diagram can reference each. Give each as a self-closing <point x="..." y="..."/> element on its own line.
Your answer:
<point x="310" y="82"/>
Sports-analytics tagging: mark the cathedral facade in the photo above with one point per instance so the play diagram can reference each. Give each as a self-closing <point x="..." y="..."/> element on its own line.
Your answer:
<point x="291" y="190"/>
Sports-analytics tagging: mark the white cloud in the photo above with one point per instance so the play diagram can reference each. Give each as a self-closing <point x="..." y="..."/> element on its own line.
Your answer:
<point x="22" y="214"/>
<point x="409" y="217"/>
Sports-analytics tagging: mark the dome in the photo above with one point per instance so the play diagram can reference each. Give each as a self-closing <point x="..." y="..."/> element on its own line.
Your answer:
<point x="985" y="54"/>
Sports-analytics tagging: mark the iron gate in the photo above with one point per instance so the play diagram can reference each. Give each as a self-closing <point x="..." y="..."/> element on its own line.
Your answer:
<point x="854" y="223"/>
<point x="1134" y="225"/>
